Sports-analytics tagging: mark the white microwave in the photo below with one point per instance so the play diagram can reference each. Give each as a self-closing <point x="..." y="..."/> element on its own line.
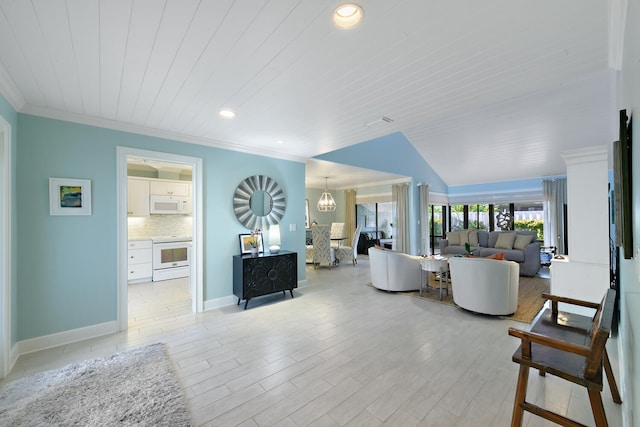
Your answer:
<point x="168" y="205"/>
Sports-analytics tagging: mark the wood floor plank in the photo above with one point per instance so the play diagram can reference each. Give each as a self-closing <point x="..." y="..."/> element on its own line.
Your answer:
<point x="340" y="353"/>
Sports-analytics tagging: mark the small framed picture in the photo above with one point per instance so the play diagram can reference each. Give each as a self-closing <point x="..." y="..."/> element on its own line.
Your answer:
<point x="370" y="221"/>
<point x="248" y="242"/>
<point x="69" y="196"/>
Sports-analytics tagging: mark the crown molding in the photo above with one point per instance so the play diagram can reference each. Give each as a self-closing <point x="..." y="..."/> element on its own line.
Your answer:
<point x="141" y="130"/>
<point x="10" y="90"/>
<point x="375" y="183"/>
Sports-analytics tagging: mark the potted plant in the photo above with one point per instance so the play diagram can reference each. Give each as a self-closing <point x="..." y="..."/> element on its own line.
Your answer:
<point x="254" y="241"/>
<point x="467" y="247"/>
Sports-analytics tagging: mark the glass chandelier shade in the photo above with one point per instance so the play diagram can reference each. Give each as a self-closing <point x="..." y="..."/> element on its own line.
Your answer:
<point x="326" y="202"/>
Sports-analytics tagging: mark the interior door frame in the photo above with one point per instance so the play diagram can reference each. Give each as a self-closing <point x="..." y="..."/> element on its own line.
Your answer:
<point x="197" y="298"/>
<point x="5" y="248"/>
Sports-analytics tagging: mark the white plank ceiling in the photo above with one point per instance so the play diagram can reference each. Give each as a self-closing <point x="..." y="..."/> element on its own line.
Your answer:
<point x="485" y="90"/>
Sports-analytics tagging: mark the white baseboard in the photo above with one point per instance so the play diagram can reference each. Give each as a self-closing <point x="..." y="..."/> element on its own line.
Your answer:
<point x="212" y="304"/>
<point x="66" y="337"/>
<point x="13" y="357"/>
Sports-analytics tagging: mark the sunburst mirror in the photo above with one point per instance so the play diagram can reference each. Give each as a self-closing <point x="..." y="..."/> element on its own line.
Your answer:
<point x="259" y="202"/>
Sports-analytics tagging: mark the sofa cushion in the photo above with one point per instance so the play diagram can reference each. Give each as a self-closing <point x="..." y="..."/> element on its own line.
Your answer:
<point x="473" y="237"/>
<point x="464" y="237"/>
<point x="453" y="237"/>
<point x="522" y="241"/>
<point x="505" y="241"/>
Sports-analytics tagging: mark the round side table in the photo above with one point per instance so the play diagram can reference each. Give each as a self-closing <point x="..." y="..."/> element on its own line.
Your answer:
<point x="436" y="265"/>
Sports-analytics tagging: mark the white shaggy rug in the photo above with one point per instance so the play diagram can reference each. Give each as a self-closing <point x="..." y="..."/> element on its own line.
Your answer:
<point x="132" y="388"/>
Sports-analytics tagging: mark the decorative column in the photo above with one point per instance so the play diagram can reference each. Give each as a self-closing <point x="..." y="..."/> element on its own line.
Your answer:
<point x="584" y="273"/>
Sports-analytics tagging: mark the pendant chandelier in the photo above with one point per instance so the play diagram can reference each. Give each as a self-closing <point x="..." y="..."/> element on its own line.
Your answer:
<point x="326" y="202"/>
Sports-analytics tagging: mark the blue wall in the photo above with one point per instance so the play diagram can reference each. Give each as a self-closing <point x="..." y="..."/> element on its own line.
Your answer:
<point x="9" y="114"/>
<point x="313" y="195"/>
<point x="394" y="154"/>
<point x="67" y="266"/>
<point x="391" y="153"/>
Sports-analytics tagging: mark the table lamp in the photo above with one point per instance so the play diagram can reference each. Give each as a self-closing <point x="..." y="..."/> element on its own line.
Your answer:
<point x="274" y="239"/>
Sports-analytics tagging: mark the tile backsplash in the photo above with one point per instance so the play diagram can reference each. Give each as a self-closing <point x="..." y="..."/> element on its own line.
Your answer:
<point x="159" y="225"/>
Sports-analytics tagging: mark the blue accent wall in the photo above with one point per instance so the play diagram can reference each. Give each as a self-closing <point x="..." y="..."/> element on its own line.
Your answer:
<point x="394" y="153"/>
<point x="9" y="114"/>
<point x="391" y="153"/>
<point x="67" y="265"/>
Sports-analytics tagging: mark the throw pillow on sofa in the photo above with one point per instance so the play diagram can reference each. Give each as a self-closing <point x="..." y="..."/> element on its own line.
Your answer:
<point x="464" y="237"/>
<point x="473" y="238"/>
<point x="453" y="237"/>
<point x="522" y="241"/>
<point x="505" y="241"/>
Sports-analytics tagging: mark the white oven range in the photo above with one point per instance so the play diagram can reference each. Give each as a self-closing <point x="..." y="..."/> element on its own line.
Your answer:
<point x="171" y="257"/>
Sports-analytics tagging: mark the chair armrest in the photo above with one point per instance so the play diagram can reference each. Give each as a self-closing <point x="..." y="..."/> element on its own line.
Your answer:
<point x="529" y="337"/>
<point x="443" y="244"/>
<point x="572" y="301"/>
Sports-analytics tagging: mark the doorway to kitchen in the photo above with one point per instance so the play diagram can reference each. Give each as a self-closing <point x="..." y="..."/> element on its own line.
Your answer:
<point x="169" y="206"/>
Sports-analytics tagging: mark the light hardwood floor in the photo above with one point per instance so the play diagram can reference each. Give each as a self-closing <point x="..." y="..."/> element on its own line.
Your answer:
<point x="339" y="353"/>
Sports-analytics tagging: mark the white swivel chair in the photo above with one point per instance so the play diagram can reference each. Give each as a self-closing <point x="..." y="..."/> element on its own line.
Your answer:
<point x="485" y="286"/>
<point x="350" y="253"/>
<point x="323" y="253"/>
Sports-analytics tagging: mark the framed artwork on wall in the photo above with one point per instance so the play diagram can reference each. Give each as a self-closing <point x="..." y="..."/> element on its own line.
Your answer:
<point x="69" y="196"/>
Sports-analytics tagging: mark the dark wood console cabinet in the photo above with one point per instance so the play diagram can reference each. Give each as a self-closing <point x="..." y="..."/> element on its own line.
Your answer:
<point x="254" y="276"/>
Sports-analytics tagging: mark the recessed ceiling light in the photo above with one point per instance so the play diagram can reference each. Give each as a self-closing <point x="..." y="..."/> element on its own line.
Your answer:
<point x="348" y="15"/>
<point x="279" y="141"/>
<point x="227" y="114"/>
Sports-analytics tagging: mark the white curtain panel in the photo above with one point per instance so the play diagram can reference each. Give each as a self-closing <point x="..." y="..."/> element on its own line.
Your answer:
<point x="424" y="218"/>
<point x="349" y="212"/>
<point x="400" y="197"/>
<point x="555" y="197"/>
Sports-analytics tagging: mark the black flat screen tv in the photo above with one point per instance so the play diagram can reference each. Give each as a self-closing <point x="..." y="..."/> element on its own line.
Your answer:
<point x="622" y="187"/>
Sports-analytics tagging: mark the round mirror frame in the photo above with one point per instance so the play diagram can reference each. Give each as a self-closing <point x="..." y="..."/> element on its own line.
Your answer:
<point x="242" y="202"/>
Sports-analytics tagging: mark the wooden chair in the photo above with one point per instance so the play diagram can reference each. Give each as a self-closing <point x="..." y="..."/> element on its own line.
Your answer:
<point x="569" y="346"/>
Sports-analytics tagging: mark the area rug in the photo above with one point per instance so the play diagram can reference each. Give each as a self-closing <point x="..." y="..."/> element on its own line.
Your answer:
<point x="136" y="387"/>
<point x="529" y="297"/>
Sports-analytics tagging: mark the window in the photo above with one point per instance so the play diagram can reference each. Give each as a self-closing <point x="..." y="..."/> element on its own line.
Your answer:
<point x="479" y="217"/>
<point x="518" y="216"/>
<point x="529" y="216"/>
<point x="437" y="226"/>
<point x="458" y="217"/>
<point x="376" y="219"/>
<point x="501" y="214"/>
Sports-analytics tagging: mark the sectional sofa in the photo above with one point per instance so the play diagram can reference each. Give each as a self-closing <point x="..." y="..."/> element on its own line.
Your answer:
<point x="519" y="246"/>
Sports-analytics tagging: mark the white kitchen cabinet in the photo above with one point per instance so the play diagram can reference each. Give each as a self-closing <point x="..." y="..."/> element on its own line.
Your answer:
<point x="170" y="188"/>
<point x="137" y="197"/>
<point x="139" y="261"/>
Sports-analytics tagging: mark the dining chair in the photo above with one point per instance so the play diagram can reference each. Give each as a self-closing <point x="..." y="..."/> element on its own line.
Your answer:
<point x="323" y="253"/>
<point x="350" y="253"/>
<point x="337" y="233"/>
